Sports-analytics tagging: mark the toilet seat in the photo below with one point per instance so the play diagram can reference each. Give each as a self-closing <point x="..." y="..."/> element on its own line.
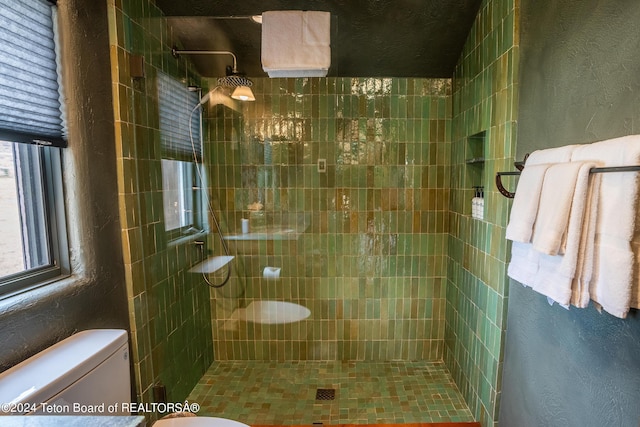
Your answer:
<point x="198" y="422"/>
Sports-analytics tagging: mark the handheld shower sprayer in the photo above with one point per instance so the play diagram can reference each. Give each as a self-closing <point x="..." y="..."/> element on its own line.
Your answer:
<point x="207" y="96"/>
<point x="242" y="92"/>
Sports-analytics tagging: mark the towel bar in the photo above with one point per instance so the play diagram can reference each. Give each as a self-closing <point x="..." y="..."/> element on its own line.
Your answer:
<point x="520" y="166"/>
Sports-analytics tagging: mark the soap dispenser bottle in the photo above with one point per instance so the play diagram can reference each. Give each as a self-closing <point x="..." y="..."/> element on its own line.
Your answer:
<point x="481" y="204"/>
<point x="475" y="202"/>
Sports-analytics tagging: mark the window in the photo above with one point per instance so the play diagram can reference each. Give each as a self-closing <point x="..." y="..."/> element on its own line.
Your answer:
<point x="33" y="247"/>
<point x="181" y="152"/>
<point x="180" y="194"/>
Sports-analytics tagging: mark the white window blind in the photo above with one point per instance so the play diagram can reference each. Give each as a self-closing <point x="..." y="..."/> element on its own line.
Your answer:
<point x="31" y="110"/>
<point x="179" y="123"/>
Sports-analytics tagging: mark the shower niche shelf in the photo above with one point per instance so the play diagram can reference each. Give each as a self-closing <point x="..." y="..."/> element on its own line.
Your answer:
<point x="211" y="265"/>
<point x="475" y="161"/>
<point x="474" y="170"/>
<point x="474" y="151"/>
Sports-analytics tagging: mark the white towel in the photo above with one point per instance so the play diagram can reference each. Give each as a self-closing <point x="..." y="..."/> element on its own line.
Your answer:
<point x="551" y="155"/>
<point x="613" y="265"/>
<point x="296" y="43"/>
<point x="524" y="263"/>
<point x="556" y="273"/>
<point x="555" y="206"/>
<point x="525" y="203"/>
<point x="635" y="282"/>
<point x="584" y="268"/>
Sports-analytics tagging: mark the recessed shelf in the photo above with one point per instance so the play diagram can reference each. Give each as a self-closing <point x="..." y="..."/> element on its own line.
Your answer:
<point x="270" y="233"/>
<point x="474" y="171"/>
<point x="475" y="160"/>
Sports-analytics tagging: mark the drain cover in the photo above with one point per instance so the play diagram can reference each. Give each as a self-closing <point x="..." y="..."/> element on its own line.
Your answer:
<point x="326" y="394"/>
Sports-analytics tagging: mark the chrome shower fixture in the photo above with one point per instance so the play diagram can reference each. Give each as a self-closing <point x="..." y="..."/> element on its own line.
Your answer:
<point x="234" y="79"/>
<point x="242" y="85"/>
<point x="176" y="54"/>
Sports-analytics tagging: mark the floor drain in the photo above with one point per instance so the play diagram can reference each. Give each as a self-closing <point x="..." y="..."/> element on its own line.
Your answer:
<point x="325" y="394"/>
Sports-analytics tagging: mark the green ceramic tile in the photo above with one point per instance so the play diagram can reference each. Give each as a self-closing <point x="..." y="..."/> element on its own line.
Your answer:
<point x="376" y="135"/>
<point x="477" y="275"/>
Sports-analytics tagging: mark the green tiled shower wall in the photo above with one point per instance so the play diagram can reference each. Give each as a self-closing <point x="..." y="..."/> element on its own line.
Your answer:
<point x="169" y="307"/>
<point x="370" y="259"/>
<point x="485" y="103"/>
<point x="388" y="260"/>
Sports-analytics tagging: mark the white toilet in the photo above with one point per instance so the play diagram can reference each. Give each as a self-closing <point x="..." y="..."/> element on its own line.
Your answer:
<point x="198" y="422"/>
<point x="75" y="376"/>
<point x="85" y="374"/>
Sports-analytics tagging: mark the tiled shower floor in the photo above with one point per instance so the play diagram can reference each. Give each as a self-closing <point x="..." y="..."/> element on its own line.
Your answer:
<point x="283" y="393"/>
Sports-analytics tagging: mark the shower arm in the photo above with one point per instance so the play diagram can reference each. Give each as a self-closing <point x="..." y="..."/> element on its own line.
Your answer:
<point x="176" y="53"/>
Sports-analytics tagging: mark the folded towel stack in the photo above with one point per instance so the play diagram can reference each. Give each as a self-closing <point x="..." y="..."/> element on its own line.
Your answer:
<point x="556" y="200"/>
<point x="580" y="245"/>
<point x="525" y="209"/>
<point x="614" y="260"/>
<point x="525" y="261"/>
<point x="296" y="43"/>
<point x="559" y="266"/>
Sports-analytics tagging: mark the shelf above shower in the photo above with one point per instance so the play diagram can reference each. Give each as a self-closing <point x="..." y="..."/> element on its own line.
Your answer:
<point x="266" y="226"/>
<point x="211" y="265"/>
<point x="267" y="234"/>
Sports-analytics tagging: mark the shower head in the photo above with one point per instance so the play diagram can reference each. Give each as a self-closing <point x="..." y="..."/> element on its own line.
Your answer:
<point x="242" y="85"/>
<point x="241" y="92"/>
<point x="234" y="80"/>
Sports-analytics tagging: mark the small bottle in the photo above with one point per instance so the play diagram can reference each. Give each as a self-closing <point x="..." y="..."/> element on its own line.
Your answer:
<point x="481" y="204"/>
<point x="475" y="202"/>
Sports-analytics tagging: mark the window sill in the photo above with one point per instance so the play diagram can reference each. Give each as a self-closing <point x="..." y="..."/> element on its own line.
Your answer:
<point x="44" y="277"/>
<point x="189" y="238"/>
<point x="27" y="297"/>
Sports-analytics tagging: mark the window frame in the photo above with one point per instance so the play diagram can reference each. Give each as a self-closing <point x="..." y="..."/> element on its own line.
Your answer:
<point x="50" y="159"/>
<point x="197" y="224"/>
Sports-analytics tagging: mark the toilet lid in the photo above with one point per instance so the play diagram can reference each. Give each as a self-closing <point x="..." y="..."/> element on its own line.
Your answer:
<point x="198" y="422"/>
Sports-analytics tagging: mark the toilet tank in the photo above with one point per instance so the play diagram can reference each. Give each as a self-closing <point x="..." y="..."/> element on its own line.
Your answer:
<point x="85" y="374"/>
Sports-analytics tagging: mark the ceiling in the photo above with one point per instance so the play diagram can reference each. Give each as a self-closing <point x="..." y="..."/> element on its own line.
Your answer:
<point x="375" y="38"/>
